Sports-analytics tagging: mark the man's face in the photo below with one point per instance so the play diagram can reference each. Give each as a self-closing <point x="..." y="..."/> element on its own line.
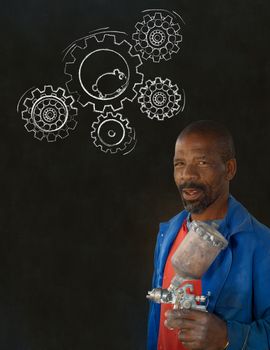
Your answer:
<point x="199" y="172"/>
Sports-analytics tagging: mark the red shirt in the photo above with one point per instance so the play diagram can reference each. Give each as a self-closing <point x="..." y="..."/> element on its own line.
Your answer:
<point x="168" y="339"/>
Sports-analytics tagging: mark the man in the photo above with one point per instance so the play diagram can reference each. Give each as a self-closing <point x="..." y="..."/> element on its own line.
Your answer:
<point x="238" y="314"/>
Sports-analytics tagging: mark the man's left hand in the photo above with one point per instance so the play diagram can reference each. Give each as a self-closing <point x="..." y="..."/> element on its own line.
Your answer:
<point x="198" y="330"/>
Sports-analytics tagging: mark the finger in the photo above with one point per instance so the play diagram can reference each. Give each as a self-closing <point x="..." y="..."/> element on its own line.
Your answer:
<point x="188" y="340"/>
<point x="179" y="323"/>
<point x="191" y="345"/>
<point x="186" y="314"/>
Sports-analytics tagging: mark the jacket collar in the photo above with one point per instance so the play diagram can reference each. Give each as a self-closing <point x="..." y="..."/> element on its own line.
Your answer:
<point x="236" y="220"/>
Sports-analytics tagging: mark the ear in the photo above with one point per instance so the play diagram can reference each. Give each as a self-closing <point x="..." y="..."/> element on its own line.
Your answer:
<point x="231" y="167"/>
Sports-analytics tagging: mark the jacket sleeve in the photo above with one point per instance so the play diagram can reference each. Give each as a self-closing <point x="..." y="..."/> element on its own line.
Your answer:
<point x="256" y="335"/>
<point x="154" y="309"/>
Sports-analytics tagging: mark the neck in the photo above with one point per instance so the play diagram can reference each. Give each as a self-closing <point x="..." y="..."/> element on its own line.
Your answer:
<point x="217" y="210"/>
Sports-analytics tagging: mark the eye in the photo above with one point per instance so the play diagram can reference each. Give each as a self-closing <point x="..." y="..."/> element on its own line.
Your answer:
<point x="179" y="164"/>
<point x="203" y="162"/>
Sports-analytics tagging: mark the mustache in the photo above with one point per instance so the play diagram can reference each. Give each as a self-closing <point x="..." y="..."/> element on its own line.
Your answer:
<point x="190" y="184"/>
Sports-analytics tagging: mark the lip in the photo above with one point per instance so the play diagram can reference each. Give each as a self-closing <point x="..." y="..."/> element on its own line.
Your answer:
<point x="191" y="194"/>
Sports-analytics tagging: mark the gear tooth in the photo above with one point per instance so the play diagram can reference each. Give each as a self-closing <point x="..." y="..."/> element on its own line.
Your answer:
<point x="176" y="27"/>
<point x="110" y="150"/>
<point x="48" y="89"/>
<point x="168" y="56"/>
<point x="135" y="59"/>
<point x="125" y="121"/>
<point x="168" y="19"/>
<point x="167" y="82"/>
<point x="131" y="95"/>
<point x="139" y="26"/>
<point x="70" y="87"/>
<point x="36" y="93"/>
<point x="79" y="44"/>
<point x="95" y="142"/>
<point x="42" y="92"/>
<point x="156" y="59"/>
<point x="108" y="39"/>
<point x="99" y="118"/>
<point x="26" y="115"/>
<point x="69" y="68"/>
<point x="63" y="133"/>
<point x="140" y="99"/>
<point x="179" y="38"/>
<point x="145" y="55"/>
<point x="99" y="37"/>
<point x="135" y="36"/>
<point x="39" y="135"/>
<point x="136" y="87"/>
<point x="69" y="100"/>
<point x="143" y="89"/>
<point x="109" y="115"/>
<point x="72" y="124"/>
<point x="133" y="51"/>
<point x="147" y="18"/>
<point x="177" y="106"/>
<point x="141" y="79"/>
<point x="118" y="105"/>
<point x="83" y="101"/>
<point x="120" y="117"/>
<point x="94" y="128"/>
<point x="69" y="58"/>
<point x="28" y="103"/>
<point x="73" y="111"/>
<point x="60" y="92"/>
<point x="51" y="137"/>
<point x="98" y="106"/>
<point x="77" y="51"/>
<point x="158" y="15"/>
<point x="175" y="49"/>
<point x="29" y="126"/>
<point x="174" y="88"/>
<point x="127" y="46"/>
<point x="128" y="128"/>
<point x="138" y="47"/>
<point x="121" y="152"/>
<point x="82" y="44"/>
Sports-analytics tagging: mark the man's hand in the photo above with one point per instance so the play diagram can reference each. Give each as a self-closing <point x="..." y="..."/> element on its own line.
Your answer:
<point x="198" y="329"/>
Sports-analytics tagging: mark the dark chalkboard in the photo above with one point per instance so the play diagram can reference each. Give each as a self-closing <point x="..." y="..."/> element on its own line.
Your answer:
<point x="78" y="225"/>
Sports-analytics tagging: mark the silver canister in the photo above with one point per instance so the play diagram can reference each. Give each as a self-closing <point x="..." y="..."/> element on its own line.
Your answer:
<point x="198" y="250"/>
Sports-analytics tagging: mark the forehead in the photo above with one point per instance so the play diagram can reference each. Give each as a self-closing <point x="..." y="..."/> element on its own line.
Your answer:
<point x="199" y="144"/>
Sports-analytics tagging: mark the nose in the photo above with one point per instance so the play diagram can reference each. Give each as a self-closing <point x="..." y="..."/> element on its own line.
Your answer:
<point x="189" y="173"/>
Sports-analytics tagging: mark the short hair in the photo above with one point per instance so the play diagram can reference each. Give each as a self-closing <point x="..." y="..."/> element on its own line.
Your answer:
<point x="216" y="129"/>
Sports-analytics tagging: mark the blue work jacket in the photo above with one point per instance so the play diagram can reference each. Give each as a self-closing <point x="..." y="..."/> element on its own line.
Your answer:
<point x="238" y="279"/>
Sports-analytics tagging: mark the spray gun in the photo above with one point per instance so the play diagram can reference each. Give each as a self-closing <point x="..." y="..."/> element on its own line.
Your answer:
<point x="190" y="261"/>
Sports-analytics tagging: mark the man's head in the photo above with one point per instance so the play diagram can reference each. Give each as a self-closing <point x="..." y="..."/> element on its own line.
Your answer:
<point x="204" y="164"/>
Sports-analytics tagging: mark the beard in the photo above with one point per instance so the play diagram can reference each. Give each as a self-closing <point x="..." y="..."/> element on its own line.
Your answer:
<point x="197" y="206"/>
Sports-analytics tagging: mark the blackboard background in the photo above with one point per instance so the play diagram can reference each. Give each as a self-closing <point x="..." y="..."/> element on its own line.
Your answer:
<point x="78" y="226"/>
